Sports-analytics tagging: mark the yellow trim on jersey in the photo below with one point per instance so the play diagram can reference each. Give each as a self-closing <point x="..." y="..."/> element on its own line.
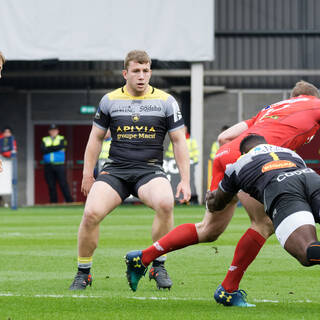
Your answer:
<point x="274" y="156"/>
<point x="152" y="94"/>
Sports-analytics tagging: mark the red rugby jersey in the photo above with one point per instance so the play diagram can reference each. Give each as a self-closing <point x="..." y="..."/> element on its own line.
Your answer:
<point x="288" y="123"/>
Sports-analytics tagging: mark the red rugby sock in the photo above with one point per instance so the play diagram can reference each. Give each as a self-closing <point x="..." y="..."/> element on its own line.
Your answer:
<point x="247" y="249"/>
<point x="180" y="237"/>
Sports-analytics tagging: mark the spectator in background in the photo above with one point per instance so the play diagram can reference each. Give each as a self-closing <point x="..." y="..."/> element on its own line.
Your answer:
<point x="8" y="150"/>
<point x="53" y="148"/>
<point x="192" y="148"/>
<point x="215" y="145"/>
<point x="2" y="61"/>
<point x="8" y="145"/>
<point x="104" y="154"/>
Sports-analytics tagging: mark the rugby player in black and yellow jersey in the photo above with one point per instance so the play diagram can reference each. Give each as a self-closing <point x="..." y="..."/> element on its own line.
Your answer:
<point x="139" y="116"/>
<point x="290" y="192"/>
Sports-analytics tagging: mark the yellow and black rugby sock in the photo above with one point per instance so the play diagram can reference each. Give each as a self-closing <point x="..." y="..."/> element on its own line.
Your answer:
<point x="84" y="264"/>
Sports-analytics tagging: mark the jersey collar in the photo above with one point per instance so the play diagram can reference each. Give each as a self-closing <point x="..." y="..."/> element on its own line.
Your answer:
<point x="149" y="91"/>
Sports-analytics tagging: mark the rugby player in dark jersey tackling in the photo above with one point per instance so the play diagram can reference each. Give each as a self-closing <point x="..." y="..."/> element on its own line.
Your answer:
<point x="278" y="178"/>
<point x="139" y="116"/>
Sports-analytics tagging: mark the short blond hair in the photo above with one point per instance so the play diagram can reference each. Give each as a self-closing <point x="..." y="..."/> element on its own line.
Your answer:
<point x="2" y="57"/>
<point x="139" y="56"/>
<point x="304" y="88"/>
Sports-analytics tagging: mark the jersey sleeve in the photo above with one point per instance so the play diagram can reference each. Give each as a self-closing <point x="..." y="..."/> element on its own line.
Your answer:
<point x="173" y="114"/>
<point x="230" y="182"/>
<point x="102" y="116"/>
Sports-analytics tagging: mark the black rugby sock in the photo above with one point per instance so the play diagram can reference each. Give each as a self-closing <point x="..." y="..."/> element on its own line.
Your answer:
<point x="313" y="253"/>
<point x="84" y="270"/>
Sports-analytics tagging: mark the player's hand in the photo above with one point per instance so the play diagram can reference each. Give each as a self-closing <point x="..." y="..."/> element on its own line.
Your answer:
<point x="210" y="197"/>
<point x="183" y="188"/>
<point x="87" y="182"/>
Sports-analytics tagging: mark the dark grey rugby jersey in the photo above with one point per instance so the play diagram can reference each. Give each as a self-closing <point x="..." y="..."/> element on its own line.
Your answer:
<point x="254" y="170"/>
<point x="138" y="124"/>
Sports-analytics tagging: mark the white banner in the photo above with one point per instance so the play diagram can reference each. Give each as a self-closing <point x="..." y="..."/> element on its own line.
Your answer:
<point x="106" y="29"/>
<point x="6" y="177"/>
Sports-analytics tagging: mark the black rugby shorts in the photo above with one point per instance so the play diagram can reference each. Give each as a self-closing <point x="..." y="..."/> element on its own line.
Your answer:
<point x="126" y="179"/>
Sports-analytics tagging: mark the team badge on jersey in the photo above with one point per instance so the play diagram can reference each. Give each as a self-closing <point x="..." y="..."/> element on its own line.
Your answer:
<point x="135" y="117"/>
<point x="97" y="115"/>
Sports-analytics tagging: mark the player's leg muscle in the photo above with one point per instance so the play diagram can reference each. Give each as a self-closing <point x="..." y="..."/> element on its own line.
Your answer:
<point x="158" y="195"/>
<point x="214" y="224"/>
<point x="260" y="222"/>
<point x="101" y="200"/>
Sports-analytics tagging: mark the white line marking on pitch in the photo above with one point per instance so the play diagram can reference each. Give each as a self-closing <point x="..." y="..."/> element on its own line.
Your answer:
<point x="59" y="296"/>
<point x="47" y="296"/>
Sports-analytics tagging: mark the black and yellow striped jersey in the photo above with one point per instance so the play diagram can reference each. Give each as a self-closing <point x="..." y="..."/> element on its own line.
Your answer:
<point x="138" y="125"/>
<point x="254" y="170"/>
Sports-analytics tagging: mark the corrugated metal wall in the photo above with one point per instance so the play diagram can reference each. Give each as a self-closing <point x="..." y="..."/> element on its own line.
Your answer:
<point x="265" y="34"/>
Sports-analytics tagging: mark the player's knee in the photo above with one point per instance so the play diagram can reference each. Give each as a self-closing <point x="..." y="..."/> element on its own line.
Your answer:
<point x="90" y="217"/>
<point x="165" y="206"/>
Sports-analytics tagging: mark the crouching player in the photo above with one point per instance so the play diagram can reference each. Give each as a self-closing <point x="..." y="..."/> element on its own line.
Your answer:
<point x="290" y="192"/>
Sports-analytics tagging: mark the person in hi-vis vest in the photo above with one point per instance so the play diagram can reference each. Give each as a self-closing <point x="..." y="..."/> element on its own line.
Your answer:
<point x="104" y="154"/>
<point x="53" y="148"/>
<point x="215" y="145"/>
<point x="192" y="148"/>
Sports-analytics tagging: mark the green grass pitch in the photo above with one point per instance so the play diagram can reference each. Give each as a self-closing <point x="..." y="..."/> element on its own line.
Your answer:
<point x="39" y="254"/>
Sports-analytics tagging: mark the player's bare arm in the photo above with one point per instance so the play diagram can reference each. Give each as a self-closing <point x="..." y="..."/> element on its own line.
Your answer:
<point x="232" y="133"/>
<point x="91" y="155"/>
<point x="181" y="155"/>
<point x="217" y="200"/>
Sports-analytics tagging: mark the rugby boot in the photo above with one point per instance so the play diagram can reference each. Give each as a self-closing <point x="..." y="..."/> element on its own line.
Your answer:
<point x="236" y="298"/>
<point x="81" y="281"/>
<point x="159" y="273"/>
<point x="135" y="268"/>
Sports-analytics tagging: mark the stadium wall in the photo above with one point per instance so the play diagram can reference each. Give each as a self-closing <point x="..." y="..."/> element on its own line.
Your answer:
<point x="63" y="107"/>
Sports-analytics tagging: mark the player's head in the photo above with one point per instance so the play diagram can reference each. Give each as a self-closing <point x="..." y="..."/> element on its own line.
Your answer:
<point x="139" y="56"/>
<point x="250" y="142"/>
<point x="7" y="131"/>
<point x="304" y="88"/>
<point x="224" y="127"/>
<point x="2" y="61"/>
<point x="137" y="72"/>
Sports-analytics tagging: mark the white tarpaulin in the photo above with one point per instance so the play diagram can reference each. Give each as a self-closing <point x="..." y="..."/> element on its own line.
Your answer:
<point x="6" y="177"/>
<point x="106" y="29"/>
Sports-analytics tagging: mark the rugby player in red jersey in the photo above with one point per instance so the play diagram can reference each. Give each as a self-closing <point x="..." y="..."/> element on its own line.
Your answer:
<point x="289" y="123"/>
